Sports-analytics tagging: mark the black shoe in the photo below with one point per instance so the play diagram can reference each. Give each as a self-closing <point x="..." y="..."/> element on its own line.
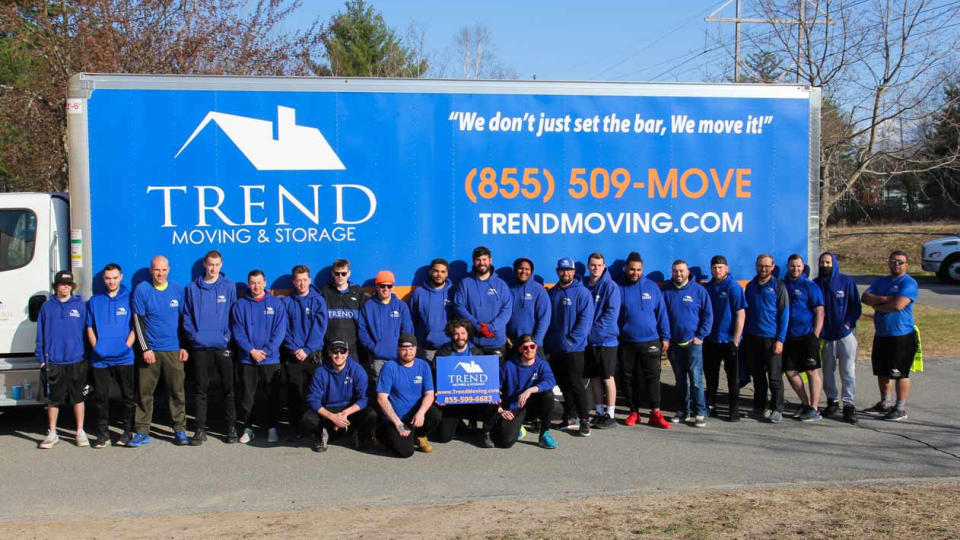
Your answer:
<point x="830" y="409"/>
<point x="584" y="427"/>
<point x="734" y="416"/>
<point x="353" y="439"/>
<point x="102" y="440"/>
<point x="232" y="437"/>
<point x="605" y="422"/>
<point x="850" y="414"/>
<point x="124" y="439"/>
<point x="880" y="408"/>
<point x="712" y="411"/>
<point x="896" y="415"/>
<point x="486" y="441"/>
<point x="199" y="436"/>
<point x="295" y="437"/>
<point x="320" y="441"/>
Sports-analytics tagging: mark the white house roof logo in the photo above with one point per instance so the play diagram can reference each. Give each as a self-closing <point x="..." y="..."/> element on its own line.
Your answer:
<point x="296" y="148"/>
<point x="472" y="367"/>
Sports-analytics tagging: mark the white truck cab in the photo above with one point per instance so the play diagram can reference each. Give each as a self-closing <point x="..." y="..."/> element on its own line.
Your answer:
<point x="34" y="245"/>
<point x="943" y="257"/>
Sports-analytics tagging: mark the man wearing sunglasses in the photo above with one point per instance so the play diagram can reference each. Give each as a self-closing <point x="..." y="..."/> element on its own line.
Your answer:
<point x="337" y="400"/>
<point x="344" y="300"/>
<point x="895" y="342"/>
<point x="485" y="300"/>
<point x="526" y="390"/>
<point x="382" y="319"/>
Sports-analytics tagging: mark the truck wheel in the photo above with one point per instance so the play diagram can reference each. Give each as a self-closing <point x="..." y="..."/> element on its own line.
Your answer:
<point x="950" y="269"/>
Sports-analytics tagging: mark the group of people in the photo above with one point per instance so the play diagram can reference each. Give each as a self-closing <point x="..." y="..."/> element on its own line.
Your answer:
<point x="348" y="363"/>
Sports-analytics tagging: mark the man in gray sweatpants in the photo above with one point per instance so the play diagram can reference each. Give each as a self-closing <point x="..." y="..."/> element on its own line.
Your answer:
<point x="838" y="339"/>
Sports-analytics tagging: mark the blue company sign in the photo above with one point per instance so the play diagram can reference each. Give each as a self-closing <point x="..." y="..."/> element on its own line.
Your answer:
<point x="466" y="380"/>
<point x="393" y="180"/>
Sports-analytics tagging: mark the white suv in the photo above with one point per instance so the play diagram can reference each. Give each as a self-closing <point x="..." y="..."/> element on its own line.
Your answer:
<point x="943" y="257"/>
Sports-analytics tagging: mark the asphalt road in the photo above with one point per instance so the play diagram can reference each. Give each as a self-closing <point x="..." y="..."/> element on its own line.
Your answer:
<point x="161" y="478"/>
<point x="933" y="292"/>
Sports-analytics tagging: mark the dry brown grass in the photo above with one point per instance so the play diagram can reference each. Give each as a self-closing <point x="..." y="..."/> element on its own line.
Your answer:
<point x="864" y="249"/>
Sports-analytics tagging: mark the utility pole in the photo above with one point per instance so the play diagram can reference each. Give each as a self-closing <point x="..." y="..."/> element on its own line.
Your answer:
<point x="801" y="22"/>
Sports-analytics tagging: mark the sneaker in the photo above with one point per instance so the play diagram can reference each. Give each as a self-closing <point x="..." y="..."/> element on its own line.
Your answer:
<point x="880" y="408"/>
<point x="199" y="436"/>
<point x="272" y="436"/>
<point x="830" y="409"/>
<point x="424" y="445"/>
<point x="546" y="441"/>
<point x="568" y="424"/>
<point x="51" y="439"/>
<point x="775" y="417"/>
<point x="82" y="439"/>
<point x="713" y="411"/>
<point x="657" y="420"/>
<point x="850" y="414"/>
<point x="522" y="433"/>
<point x="584" y="427"/>
<point x="811" y="416"/>
<point x="485" y="440"/>
<point x="232" y="436"/>
<point x="124" y="439"/>
<point x="320" y="441"/>
<point x="895" y="415"/>
<point x="767" y="413"/>
<point x="734" y="416"/>
<point x="102" y="440"/>
<point x="353" y="439"/>
<point x="605" y="422"/>
<point x="679" y="418"/>
<point x="700" y="421"/>
<point x="139" y="439"/>
<point x="180" y="438"/>
<point x="800" y="413"/>
<point x="632" y="418"/>
<point x="247" y="436"/>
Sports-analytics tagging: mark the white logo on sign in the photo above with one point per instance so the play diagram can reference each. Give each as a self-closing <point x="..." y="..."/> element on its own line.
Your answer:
<point x="472" y="367"/>
<point x="296" y="148"/>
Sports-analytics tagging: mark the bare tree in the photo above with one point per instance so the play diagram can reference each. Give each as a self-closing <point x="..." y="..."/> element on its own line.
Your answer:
<point x="476" y="54"/>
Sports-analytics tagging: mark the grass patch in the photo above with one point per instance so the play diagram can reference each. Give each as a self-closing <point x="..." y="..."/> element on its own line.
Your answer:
<point x="864" y="250"/>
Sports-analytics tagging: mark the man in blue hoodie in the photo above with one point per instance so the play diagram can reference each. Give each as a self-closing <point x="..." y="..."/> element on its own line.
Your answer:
<point x="382" y="319"/>
<point x="526" y="389"/>
<point x="729" y="311"/>
<point x="61" y="356"/>
<point x="644" y="333"/>
<point x="801" y="351"/>
<point x="110" y="334"/>
<point x="258" y="324"/>
<point x="430" y="307"/>
<point x="531" y="305"/>
<point x="485" y="300"/>
<point x="207" y="303"/>
<point x="601" y="355"/>
<point x="337" y="400"/>
<point x="691" y="318"/>
<point x="838" y="341"/>
<point x="571" y="317"/>
<point x="157" y="309"/>
<point x="764" y="331"/>
<point x="302" y="351"/>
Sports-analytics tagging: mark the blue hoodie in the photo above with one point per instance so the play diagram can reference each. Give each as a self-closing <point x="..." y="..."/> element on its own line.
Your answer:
<point x="258" y="324"/>
<point x="841" y="303"/>
<point x="430" y="309"/>
<point x="486" y="301"/>
<point x="338" y="389"/>
<point x="531" y="311"/>
<point x="110" y="319"/>
<point x="690" y="311"/>
<point x="726" y="298"/>
<point x="606" y="310"/>
<point x="60" y="331"/>
<point x="206" y="313"/>
<point x="306" y="321"/>
<point x="381" y="325"/>
<point x="643" y="315"/>
<point x="571" y="317"/>
<point x="159" y="311"/>
<point x="768" y="309"/>
<point x="515" y="378"/>
<point x="805" y="296"/>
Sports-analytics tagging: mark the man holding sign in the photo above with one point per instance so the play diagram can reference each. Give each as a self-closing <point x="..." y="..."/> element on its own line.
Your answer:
<point x="405" y="395"/>
<point x="459" y="331"/>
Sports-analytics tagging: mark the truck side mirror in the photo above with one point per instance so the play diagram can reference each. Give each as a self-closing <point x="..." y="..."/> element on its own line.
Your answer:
<point x="33" y="306"/>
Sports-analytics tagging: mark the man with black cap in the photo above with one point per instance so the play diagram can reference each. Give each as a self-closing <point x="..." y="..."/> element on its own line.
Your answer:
<point x="720" y="347"/>
<point x="485" y="300"/>
<point x="60" y="352"/>
<point x="571" y="317"/>
<point x="337" y="400"/>
<point x="405" y="393"/>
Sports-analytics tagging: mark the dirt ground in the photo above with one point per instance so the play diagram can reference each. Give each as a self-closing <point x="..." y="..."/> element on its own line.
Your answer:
<point x="927" y="511"/>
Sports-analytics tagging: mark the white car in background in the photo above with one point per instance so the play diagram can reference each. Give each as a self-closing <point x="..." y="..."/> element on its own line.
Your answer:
<point x="943" y="257"/>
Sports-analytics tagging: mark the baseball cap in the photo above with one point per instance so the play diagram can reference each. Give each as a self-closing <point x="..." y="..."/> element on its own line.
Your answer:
<point x="718" y="259"/>
<point x="565" y="263"/>
<point x="384" y="276"/>
<point x="338" y="346"/>
<point x="406" y="340"/>
<point x="64" y="277"/>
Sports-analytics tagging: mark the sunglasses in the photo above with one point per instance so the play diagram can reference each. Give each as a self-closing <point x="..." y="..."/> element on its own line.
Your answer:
<point x="528" y="347"/>
<point x="897" y="262"/>
<point x="341" y="274"/>
<point x="385" y="286"/>
<point x="338" y="351"/>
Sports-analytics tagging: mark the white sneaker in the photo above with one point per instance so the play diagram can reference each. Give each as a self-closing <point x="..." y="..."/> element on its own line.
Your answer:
<point x="50" y="440"/>
<point x="247" y="436"/>
<point x="272" y="435"/>
<point x="82" y="439"/>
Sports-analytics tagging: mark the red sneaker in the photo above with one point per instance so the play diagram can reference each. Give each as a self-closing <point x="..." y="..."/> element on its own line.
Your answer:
<point x="657" y="420"/>
<point x="632" y="419"/>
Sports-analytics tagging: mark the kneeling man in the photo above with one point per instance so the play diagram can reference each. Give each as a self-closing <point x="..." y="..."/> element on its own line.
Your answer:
<point x="405" y="394"/>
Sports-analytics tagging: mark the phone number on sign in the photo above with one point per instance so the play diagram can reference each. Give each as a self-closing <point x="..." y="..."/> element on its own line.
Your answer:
<point x="466" y="400"/>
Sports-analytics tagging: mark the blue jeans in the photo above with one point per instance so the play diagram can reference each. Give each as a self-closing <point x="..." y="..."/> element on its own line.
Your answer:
<point x="687" y="363"/>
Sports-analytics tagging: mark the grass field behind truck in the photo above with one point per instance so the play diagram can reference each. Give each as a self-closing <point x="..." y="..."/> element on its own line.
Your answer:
<point x="864" y="249"/>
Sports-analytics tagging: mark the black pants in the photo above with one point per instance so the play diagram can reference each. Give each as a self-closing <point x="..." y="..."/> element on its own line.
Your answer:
<point x="297" y="377"/>
<point x="538" y="406"/>
<point x="713" y="355"/>
<point x="361" y="422"/>
<point x="255" y="376"/>
<point x="219" y="362"/>
<point x="500" y="351"/>
<point x="453" y="416"/>
<point x="568" y="367"/>
<point x="101" y="402"/>
<point x="403" y="446"/>
<point x="765" y="369"/>
<point x="640" y="369"/>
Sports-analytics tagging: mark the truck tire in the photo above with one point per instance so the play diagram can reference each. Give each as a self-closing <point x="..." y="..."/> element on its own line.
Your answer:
<point x="950" y="269"/>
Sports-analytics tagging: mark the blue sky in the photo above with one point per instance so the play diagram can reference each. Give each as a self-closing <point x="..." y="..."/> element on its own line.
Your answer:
<point x="566" y="40"/>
